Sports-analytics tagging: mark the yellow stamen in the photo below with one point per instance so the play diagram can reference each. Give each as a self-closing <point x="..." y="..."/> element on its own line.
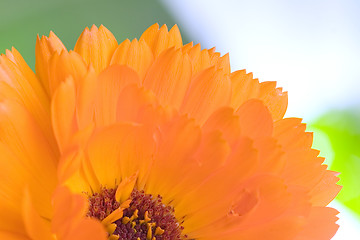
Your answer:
<point x="125" y="220"/>
<point x="149" y="234"/>
<point x="146" y="217"/>
<point x="159" y="231"/>
<point x="114" y="237"/>
<point x="110" y="228"/>
<point x="135" y="215"/>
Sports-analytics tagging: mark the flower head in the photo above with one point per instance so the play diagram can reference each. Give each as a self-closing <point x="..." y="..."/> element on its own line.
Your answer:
<point x="152" y="139"/>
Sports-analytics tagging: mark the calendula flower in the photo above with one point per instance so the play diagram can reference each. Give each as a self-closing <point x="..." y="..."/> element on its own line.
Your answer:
<point x="151" y="139"/>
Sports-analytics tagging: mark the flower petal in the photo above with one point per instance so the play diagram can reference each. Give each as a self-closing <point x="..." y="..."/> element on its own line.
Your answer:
<point x="244" y="87"/>
<point x="63" y="113"/>
<point x="160" y="39"/>
<point x="12" y="236"/>
<point x="119" y="151"/>
<point x="19" y="83"/>
<point x="88" y="229"/>
<point x="35" y="225"/>
<point x="96" y="46"/>
<point x="35" y="156"/>
<point x="71" y="173"/>
<point x="72" y="223"/>
<point x="326" y="190"/>
<point x="209" y="90"/>
<point x="64" y="65"/>
<point x="169" y="77"/>
<point x="227" y="122"/>
<point x="85" y="100"/>
<point x="255" y="119"/>
<point x="324" y="229"/>
<point x="44" y="49"/>
<point x="110" y="84"/>
<point x="140" y="99"/>
<point x="26" y="71"/>
<point x="177" y="140"/>
<point x="274" y="98"/>
<point x="136" y="55"/>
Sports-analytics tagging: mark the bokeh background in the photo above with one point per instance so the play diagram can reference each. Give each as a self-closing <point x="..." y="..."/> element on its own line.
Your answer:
<point x="310" y="47"/>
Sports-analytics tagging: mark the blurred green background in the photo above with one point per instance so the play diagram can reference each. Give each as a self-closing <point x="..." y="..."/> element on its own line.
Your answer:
<point x="22" y="20"/>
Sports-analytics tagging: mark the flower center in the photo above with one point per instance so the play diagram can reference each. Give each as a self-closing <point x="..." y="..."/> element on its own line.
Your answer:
<point x="147" y="218"/>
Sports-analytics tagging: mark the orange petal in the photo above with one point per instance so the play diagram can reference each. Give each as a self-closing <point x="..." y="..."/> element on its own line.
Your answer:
<point x="303" y="159"/>
<point x="140" y="100"/>
<point x="136" y="55"/>
<point x="323" y="220"/>
<point x="160" y="39"/>
<point x="290" y="133"/>
<point x="12" y="236"/>
<point x="271" y="156"/>
<point x="44" y="49"/>
<point x="209" y="90"/>
<point x="155" y="115"/>
<point x="326" y="190"/>
<point x="26" y="143"/>
<point x="255" y="119"/>
<point x="296" y="144"/>
<point x="279" y="229"/>
<point x="12" y="180"/>
<point x="36" y="227"/>
<point x="85" y="101"/>
<point x="244" y="87"/>
<point x="169" y="77"/>
<point x="244" y="203"/>
<point x="274" y="98"/>
<point x="202" y="59"/>
<point x="212" y="153"/>
<point x="110" y="84"/>
<point x="227" y="122"/>
<point x="20" y="84"/>
<point x="72" y="223"/>
<point x="177" y="140"/>
<point x="244" y="159"/>
<point x="63" y="113"/>
<point x="64" y="65"/>
<point x="218" y="190"/>
<point x="26" y="71"/>
<point x="210" y="156"/>
<point x="76" y="207"/>
<point x="70" y="172"/>
<point x="96" y="46"/>
<point x="274" y="199"/>
<point x="220" y="62"/>
<point x="119" y="151"/>
<point x="88" y="229"/>
<point x="10" y="219"/>
<point x="188" y="47"/>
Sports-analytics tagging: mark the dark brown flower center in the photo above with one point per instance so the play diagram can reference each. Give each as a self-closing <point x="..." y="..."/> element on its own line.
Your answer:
<point x="147" y="218"/>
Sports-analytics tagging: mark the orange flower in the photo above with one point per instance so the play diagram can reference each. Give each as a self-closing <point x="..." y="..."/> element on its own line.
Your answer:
<point x="152" y="139"/>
